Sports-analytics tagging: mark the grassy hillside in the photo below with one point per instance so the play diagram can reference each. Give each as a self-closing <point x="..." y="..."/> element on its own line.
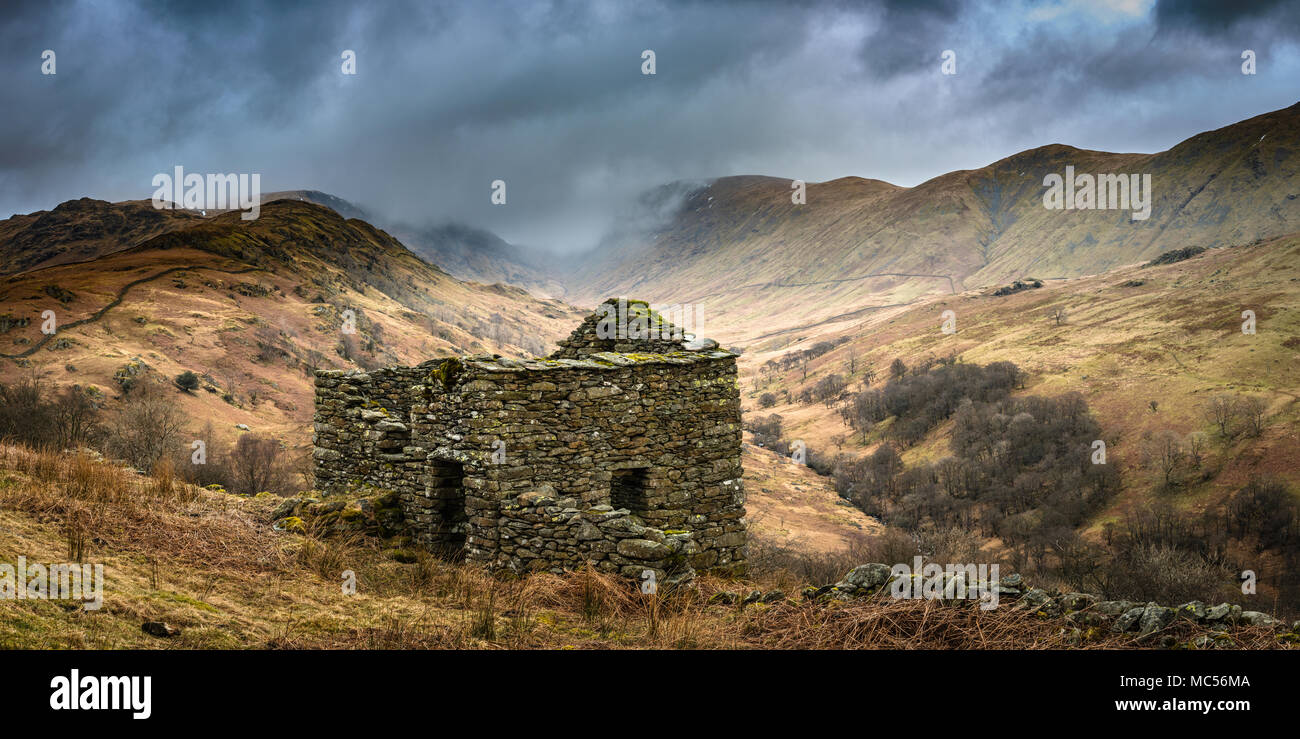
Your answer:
<point x="740" y="246"/>
<point x="1147" y="347"/>
<point x="253" y="307"/>
<point x="81" y="230"/>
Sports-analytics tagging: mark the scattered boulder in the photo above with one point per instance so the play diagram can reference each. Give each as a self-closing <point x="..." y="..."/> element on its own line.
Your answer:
<point x="1113" y="607"/>
<point x="1256" y="618"/>
<point x="1154" y="618"/>
<point x="1128" y="621"/>
<point x="1192" y="611"/>
<point x="285" y="508"/>
<point x="1078" y="601"/>
<point x="159" y="629"/>
<point x="1035" y="597"/>
<point x="292" y="524"/>
<point x="1014" y="580"/>
<point x="868" y="576"/>
<point x="1222" y="612"/>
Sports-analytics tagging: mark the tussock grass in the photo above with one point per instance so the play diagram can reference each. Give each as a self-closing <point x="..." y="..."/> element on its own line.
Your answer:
<point x="111" y="508"/>
<point x="210" y="563"/>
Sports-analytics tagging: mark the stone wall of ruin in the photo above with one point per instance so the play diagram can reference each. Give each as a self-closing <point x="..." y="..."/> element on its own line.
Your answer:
<point x="635" y="328"/>
<point x="361" y="429"/>
<point x="540" y="445"/>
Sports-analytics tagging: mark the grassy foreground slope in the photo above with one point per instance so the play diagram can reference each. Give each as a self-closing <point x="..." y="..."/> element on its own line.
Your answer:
<point x="210" y="566"/>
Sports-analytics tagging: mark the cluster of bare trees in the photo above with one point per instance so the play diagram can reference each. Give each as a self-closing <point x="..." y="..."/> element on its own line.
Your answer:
<point x="145" y="429"/>
<point x="1013" y="461"/>
<point x="920" y="401"/>
<point x="254" y="463"/>
<point x="35" y="415"/>
<point x="1237" y="415"/>
<point x="826" y="390"/>
<point x="773" y="367"/>
<point x="1173" y="457"/>
<point x="1158" y="552"/>
<point x="1021" y="469"/>
<point x="767" y="432"/>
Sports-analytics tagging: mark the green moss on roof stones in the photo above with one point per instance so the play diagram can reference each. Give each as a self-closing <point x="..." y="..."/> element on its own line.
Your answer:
<point x="447" y="371"/>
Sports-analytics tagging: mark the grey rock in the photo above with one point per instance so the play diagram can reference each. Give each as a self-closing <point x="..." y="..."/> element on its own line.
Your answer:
<point x="868" y="576"/>
<point x="1129" y="620"/>
<point x="1223" y="612"/>
<point x="1113" y="607"/>
<point x="1078" y="601"/>
<point x="1257" y="618"/>
<point x="642" y="549"/>
<point x="1192" y="611"/>
<point x="159" y="629"/>
<point x="1154" y="618"/>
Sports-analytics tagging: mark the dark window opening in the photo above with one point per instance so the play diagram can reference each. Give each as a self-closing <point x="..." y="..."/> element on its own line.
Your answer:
<point x="450" y="519"/>
<point x="628" y="490"/>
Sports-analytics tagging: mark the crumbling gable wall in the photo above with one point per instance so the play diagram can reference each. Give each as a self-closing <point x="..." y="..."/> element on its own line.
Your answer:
<point x="626" y="326"/>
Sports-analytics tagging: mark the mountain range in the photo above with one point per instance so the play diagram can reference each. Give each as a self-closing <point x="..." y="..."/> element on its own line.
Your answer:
<point x="254" y="306"/>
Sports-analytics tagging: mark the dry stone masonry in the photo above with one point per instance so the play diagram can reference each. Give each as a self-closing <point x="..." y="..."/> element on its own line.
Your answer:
<point x="621" y="449"/>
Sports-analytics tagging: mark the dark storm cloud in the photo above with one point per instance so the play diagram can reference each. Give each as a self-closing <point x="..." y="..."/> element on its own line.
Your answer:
<point x="549" y="97"/>
<point x="1217" y="17"/>
<point x="925" y="26"/>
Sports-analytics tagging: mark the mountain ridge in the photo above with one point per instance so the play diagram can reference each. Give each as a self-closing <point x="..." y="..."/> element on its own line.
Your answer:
<point x="971" y="228"/>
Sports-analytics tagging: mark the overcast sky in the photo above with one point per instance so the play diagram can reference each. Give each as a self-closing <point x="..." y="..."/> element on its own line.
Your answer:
<point x="550" y="97"/>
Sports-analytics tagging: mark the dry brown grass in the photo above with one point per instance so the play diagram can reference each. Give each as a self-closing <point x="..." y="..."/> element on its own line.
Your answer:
<point x="108" y="507"/>
<point x="209" y="563"/>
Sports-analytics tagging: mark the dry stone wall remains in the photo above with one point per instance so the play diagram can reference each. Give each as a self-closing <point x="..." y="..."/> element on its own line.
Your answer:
<point x="625" y="460"/>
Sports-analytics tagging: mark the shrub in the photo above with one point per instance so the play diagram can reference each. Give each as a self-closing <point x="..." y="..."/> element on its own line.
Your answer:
<point x="187" y="381"/>
<point x="767" y="432"/>
<point x="25" y="414"/>
<point x="1177" y="255"/>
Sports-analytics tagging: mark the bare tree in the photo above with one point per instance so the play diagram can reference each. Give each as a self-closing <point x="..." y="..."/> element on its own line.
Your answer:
<point x="1196" y="448"/>
<point x="1059" y="315"/>
<point x="146" y="428"/>
<point x="868" y="376"/>
<point x="259" y="464"/>
<point x="76" y="417"/>
<point x="1254" y="412"/>
<point x="1165" y="452"/>
<point x="1221" y="410"/>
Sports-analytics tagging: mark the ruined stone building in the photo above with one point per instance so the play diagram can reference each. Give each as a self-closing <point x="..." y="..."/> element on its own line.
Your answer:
<point x="621" y="449"/>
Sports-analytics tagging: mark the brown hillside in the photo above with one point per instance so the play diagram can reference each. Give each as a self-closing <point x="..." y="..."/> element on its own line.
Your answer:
<point x="739" y="246"/>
